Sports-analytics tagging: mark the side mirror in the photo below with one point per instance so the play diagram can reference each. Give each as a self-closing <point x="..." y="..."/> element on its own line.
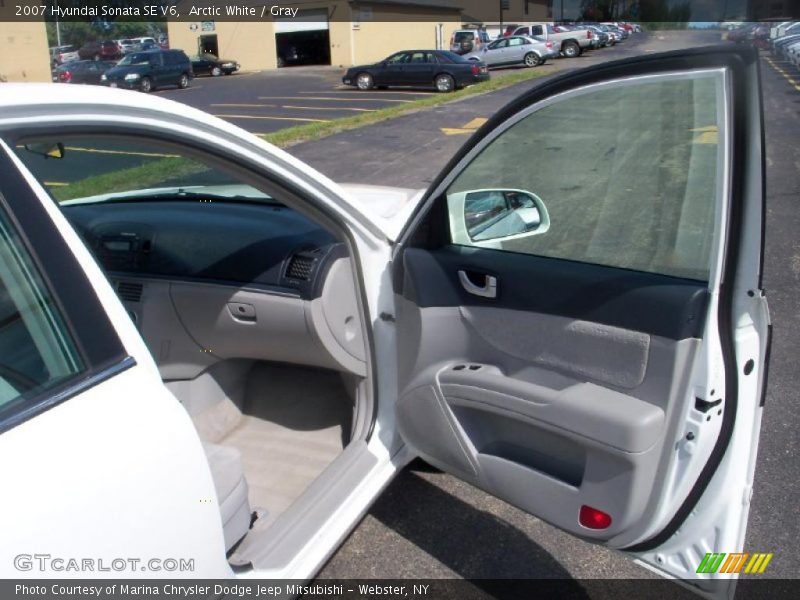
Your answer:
<point x="46" y="149"/>
<point x="487" y="218"/>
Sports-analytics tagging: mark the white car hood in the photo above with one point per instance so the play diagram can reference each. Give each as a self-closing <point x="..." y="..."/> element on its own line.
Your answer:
<point x="388" y="207"/>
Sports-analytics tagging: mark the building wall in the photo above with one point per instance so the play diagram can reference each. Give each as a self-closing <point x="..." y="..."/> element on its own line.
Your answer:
<point x="488" y="11"/>
<point x="391" y="29"/>
<point x="357" y="36"/>
<point x="24" y="54"/>
<point x="252" y="44"/>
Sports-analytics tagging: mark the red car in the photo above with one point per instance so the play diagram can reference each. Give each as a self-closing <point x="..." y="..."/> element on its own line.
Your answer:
<point x="95" y="50"/>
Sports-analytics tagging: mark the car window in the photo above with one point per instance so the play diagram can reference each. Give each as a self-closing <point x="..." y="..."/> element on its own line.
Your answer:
<point x="138" y="58"/>
<point x="516" y="41"/>
<point x="629" y="173"/>
<point x="107" y="169"/>
<point x="501" y="44"/>
<point x="400" y="57"/>
<point x="537" y="30"/>
<point x="37" y="351"/>
<point x="421" y="57"/>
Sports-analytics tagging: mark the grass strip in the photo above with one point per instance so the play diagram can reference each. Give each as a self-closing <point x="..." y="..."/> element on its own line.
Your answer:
<point x="150" y="174"/>
<point x="315" y="131"/>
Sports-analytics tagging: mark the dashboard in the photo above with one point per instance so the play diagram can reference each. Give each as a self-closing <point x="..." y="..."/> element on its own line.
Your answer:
<point x="227" y="280"/>
<point x="259" y="245"/>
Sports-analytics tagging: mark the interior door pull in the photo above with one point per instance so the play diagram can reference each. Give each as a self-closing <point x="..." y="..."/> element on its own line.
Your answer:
<point x="488" y="290"/>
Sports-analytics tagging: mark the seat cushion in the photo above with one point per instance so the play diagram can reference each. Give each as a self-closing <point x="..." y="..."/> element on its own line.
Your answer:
<point x="231" y="487"/>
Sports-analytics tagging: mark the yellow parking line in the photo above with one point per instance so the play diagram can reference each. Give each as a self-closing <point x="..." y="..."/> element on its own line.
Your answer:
<point x="122" y="152"/>
<point x="273" y="118"/>
<point x="331" y="99"/>
<point x="55" y="184"/>
<point x="329" y="108"/>
<point x="248" y="105"/>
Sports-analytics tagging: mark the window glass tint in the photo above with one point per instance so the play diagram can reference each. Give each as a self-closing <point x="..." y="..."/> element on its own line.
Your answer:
<point x="36" y="349"/>
<point x="106" y="168"/>
<point x="515" y="41"/>
<point x="537" y="30"/>
<point x="629" y="174"/>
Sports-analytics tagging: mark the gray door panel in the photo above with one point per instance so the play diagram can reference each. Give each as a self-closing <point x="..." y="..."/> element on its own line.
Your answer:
<point x="536" y="425"/>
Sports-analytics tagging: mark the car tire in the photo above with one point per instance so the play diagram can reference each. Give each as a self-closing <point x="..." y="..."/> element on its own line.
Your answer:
<point x="146" y="85"/>
<point x="571" y="50"/>
<point x="364" y="82"/>
<point x="183" y="82"/>
<point x="444" y="83"/>
<point x="532" y="60"/>
<point x="216" y="72"/>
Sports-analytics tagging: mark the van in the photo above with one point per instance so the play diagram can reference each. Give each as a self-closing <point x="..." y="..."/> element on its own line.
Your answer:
<point x="145" y="71"/>
<point x="468" y="40"/>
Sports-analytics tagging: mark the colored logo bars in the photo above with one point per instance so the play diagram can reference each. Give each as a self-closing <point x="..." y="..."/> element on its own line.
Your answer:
<point x="734" y="563"/>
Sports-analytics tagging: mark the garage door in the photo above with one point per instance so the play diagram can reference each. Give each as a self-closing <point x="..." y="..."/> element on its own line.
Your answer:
<point x="306" y="20"/>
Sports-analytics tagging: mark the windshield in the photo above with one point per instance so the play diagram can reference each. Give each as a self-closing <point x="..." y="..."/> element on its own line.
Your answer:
<point x="139" y="58"/>
<point x="105" y="169"/>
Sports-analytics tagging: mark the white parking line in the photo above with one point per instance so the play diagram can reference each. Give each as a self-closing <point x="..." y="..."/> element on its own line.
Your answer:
<point x="353" y="92"/>
<point x="247" y="105"/>
<point x="329" y="108"/>
<point x="273" y="118"/>
<point x="332" y="99"/>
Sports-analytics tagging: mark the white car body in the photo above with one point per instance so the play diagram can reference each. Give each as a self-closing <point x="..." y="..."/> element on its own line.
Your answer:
<point x="106" y="476"/>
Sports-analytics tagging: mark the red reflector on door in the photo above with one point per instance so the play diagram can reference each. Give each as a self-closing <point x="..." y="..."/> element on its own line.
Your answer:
<point x="593" y="518"/>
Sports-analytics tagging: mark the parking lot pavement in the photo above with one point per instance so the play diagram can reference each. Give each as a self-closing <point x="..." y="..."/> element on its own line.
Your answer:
<point x="268" y="101"/>
<point x="429" y="524"/>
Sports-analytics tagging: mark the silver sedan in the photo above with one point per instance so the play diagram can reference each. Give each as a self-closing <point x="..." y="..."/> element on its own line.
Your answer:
<point x="515" y="50"/>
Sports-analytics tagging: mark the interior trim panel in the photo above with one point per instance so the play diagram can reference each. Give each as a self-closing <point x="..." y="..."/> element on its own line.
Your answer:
<point x="646" y="303"/>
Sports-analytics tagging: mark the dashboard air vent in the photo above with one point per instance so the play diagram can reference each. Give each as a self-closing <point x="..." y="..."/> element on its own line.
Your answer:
<point x="300" y="267"/>
<point x="129" y="291"/>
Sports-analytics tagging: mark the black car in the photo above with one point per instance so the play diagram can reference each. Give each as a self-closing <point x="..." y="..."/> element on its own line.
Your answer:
<point x="146" y="71"/>
<point x="82" y="71"/>
<point x="209" y="64"/>
<point x="446" y="71"/>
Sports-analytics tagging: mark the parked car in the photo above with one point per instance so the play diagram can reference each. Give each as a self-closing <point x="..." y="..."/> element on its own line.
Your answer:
<point x="782" y="44"/>
<point x="601" y="38"/>
<point x="445" y="71"/>
<point x="126" y="45"/>
<point x="149" y="70"/>
<point x="571" y="43"/>
<point x="209" y="64"/>
<point x="62" y="54"/>
<point x="165" y="340"/>
<point x="82" y="71"/>
<point x="515" y="50"/>
<point x="96" y="50"/>
<point x="468" y="40"/>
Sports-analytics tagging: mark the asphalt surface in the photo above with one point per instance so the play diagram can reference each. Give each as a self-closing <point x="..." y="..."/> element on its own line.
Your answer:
<point x="430" y="525"/>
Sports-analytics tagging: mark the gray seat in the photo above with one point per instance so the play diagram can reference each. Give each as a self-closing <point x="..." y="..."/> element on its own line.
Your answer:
<point x="231" y="486"/>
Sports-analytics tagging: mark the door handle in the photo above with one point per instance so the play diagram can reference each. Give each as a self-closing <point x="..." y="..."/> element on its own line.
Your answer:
<point x="488" y="290"/>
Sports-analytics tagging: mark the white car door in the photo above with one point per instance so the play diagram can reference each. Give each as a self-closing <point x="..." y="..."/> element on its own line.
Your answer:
<point x="105" y="461"/>
<point x="104" y="471"/>
<point x="601" y="367"/>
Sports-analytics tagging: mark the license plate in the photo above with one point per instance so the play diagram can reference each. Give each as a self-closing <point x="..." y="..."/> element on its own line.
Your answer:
<point x="113" y="85"/>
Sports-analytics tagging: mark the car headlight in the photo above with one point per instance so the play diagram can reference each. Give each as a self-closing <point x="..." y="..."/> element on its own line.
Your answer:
<point x="132" y="76"/>
<point x="228" y="65"/>
<point x="103" y="77"/>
